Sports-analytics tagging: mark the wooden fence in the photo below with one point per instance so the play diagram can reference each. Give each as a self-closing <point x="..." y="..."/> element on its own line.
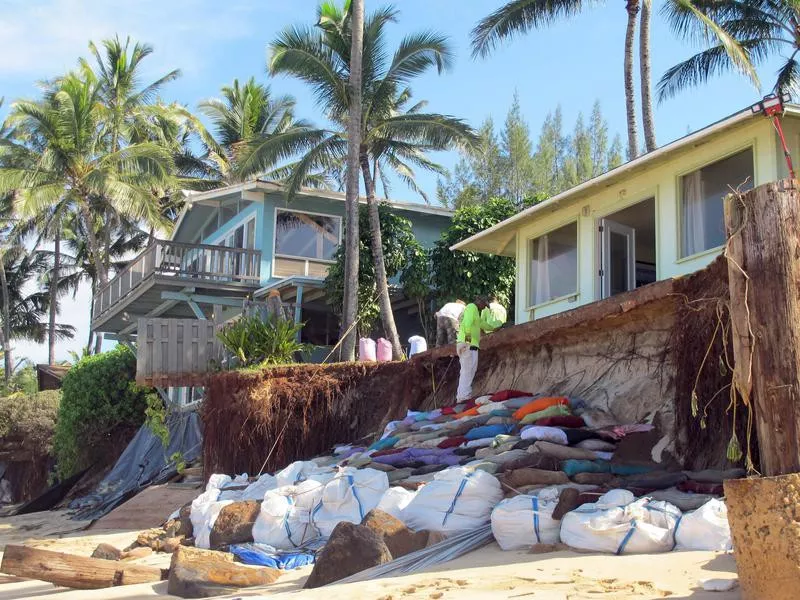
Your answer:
<point x="175" y="352"/>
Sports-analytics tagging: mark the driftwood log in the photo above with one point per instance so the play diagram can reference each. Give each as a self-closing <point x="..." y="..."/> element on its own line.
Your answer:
<point x="69" y="570"/>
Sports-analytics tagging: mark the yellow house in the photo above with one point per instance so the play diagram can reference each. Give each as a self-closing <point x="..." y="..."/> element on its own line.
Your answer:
<point x="655" y="217"/>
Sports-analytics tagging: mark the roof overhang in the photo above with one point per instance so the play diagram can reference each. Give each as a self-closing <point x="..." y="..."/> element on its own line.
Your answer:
<point x="499" y="239"/>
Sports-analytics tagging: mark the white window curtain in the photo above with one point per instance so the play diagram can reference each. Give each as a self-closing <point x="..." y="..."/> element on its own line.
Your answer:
<point x="541" y="270"/>
<point x="693" y="214"/>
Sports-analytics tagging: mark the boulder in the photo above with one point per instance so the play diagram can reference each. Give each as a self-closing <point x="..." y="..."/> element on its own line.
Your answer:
<point x="234" y="525"/>
<point x="568" y="500"/>
<point x="107" y="551"/>
<point x="350" y="549"/>
<point x="186" y="522"/>
<point x="398" y="538"/>
<point x="196" y="573"/>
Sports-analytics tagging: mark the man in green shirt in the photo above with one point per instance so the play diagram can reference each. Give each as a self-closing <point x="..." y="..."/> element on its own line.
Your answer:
<point x="468" y="342"/>
<point x="494" y="316"/>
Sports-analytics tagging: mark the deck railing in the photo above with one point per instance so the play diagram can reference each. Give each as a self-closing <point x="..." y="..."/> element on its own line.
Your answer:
<point x="199" y="262"/>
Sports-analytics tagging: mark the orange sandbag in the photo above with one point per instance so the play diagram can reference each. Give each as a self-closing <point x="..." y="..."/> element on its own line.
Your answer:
<point x="539" y="404"/>
<point x="472" y="412"/>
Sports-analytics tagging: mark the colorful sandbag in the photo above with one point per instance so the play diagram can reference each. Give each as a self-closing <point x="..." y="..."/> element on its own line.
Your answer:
<point x="538" y="405"/>
<point x="562" y="421"/>
<point x="507" y="395"/>
<point x="551" y="411"/>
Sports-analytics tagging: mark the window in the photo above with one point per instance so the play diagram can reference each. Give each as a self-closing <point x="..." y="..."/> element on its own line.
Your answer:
<point x="303" y="235"/>
<point x="701" y="206"/>
<point x="554" y="265"/>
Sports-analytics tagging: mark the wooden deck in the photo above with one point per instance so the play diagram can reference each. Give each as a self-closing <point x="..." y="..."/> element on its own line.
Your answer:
<point x="166" y="266"/>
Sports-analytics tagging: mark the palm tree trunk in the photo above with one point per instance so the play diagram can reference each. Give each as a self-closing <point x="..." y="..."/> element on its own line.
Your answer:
<point x="93" y="243"/>
<point x="381" y="281"/>
<point x="632" y="7"/>
<point x="348" y="331"/>
<point x="54" y="280"/>
<point x="7" y="359"/>
<point x="648" y="121"/>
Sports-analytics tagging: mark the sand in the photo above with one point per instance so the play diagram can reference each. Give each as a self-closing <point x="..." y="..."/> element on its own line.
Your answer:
<point x="485" y="574"/>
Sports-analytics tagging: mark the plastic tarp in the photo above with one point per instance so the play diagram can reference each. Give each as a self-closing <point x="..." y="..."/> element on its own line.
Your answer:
<point x="144" y="462"/>
<point x="268" y="556"/>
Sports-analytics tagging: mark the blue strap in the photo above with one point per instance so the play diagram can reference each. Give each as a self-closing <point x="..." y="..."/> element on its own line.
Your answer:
<point x="675" y="532"/>
<point x="455" y="498"/>
<point x="627" y="537"/>
<point x="535" y="504"/>
<point x="286" y="521"/>
<point x="355" y="495"/>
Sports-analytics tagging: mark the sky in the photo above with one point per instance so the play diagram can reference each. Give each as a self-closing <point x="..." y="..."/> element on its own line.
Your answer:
<point x="571" y="64"/>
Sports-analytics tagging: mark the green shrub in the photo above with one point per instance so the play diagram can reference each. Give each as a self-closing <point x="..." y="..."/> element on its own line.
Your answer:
<point x="30" y="420"/>
<point x="99" y="397"/>
<point x="256" y="342"/>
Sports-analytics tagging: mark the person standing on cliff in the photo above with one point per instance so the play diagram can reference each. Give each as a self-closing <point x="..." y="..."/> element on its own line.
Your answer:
<point x="447" y="322"/>
<point x="494" y="316"/>
<point x="468" y="343"/>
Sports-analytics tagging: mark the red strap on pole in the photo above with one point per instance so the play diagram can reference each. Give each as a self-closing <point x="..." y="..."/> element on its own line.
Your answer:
<point x="776" y="122"/>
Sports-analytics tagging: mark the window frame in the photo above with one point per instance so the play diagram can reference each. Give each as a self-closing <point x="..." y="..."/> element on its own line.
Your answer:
<point x="749" y="145"/>
<point x="528" y="253"/>
<point x="277" y="254"/>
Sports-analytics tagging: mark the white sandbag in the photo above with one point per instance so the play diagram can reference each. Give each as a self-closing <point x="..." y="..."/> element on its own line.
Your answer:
<point x="548" y="434"/>
<point x="205" y="510"/>
<point x="457" y="499"/>
<point x="217" y="481"/>
<point x="257" y="489"/>
<point x="349" y="496"/>
<point x="300" y="470"/>
<point x="641" y="527"/>
<point x="395" y="500"/>
<point x="706" y="528"/>
<point x="236" y="484"/>
<point x="285" y="517"/>
<point x="526" y="520"/>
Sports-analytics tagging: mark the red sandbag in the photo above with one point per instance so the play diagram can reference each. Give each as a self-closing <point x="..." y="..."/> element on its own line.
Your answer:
<point x="508" y="395"/>
<point x="452" y="442"/>
<point x="570" y="421"/>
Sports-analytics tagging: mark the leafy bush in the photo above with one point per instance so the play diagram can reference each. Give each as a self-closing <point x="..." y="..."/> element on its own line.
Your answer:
<point x="30" y="420"/>
<point x="256" y="342"/>
<point x="468" y="274"/>
<point x="99" y="397"/>
<point x="402" y="254"/>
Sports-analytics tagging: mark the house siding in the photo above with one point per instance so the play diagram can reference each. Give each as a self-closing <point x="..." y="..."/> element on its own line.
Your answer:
<point x="660" y="182"/>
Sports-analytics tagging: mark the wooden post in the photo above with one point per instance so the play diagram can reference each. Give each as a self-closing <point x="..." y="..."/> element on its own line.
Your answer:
<point x="73" y="571"/>
<point x="764" y="276"/>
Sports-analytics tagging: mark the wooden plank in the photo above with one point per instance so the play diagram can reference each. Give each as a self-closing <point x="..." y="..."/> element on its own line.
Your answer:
<point x="173" y="345"/>
<point x="764" y="280"/>
<point x="149" y="508"/>
<point x="69" y="570"/>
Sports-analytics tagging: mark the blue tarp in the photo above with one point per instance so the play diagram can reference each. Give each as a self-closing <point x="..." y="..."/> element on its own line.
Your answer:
<point x="267" y="556"/>
<point x="144" y="462"/>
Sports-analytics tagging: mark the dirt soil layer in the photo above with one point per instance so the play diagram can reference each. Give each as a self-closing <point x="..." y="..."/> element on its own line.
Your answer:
<point x="765" y="525"/>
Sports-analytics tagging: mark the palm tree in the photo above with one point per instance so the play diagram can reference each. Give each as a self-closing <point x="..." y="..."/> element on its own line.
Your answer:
<point x="250" y="126"/>
<point x="648" y="120"/>
<point x="390" y="140"/>
<point x="521" y="16"/>
<point x="76" y="161"/>
<point x="742" y="34"/>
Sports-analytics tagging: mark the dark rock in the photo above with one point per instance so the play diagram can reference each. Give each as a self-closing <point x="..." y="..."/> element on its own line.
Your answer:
<point x="196" y="573"/>
<point x="186" y="522"/>
<point x="567" y="501"/>
<point x="107" y="551"/>
<point x="350" y="549"/>
<point x="234" y="525"/>
<point x="398" y="538"/>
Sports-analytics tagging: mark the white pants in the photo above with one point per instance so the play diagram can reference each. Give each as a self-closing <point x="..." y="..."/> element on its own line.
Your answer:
<point x="469" y="365"/>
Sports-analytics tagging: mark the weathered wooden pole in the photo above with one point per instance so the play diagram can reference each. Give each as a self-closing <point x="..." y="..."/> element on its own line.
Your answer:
<point x="764" y="276"/>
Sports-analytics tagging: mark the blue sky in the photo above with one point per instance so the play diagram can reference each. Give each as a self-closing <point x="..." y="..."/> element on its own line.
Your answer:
<point x="571" y="64"/>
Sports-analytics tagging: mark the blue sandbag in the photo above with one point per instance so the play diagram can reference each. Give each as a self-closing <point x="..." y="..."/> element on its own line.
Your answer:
<point x="501" y="412"/>
<point x="267" y="556"/>
<point x="385" y="444"/>
<point x="573" y="466"/>
<point x="488" y="431"/>
<point x="631" y="469"/>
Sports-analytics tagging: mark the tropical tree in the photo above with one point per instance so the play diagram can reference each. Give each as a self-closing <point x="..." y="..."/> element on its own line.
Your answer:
<point x="741" y="34"/>
<point x="395" y="135"/>
<point x="253" y="133"/>
<point x="521" y="16"/>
